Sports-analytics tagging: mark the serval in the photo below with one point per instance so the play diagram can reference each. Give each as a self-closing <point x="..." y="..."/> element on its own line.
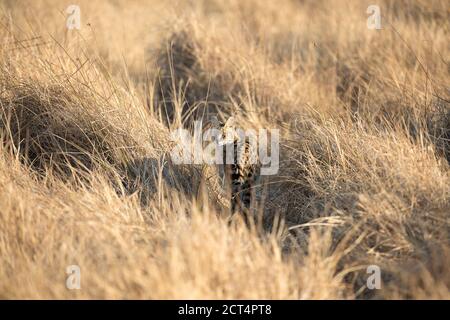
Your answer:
<point x="240" y="169"/>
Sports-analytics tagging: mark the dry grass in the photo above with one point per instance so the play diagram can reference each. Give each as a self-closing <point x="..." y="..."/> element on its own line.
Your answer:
<point x="85" y="174"/>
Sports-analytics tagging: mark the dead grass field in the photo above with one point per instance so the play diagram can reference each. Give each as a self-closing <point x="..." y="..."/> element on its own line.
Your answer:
<point x="86" y="177"/>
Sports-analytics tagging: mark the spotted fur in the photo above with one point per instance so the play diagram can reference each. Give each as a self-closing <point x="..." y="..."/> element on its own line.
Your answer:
<point x="240" y="176"/>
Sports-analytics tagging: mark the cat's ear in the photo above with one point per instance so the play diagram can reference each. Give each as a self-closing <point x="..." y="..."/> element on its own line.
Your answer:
<point x="214" y="122"/>
<point x="230" y="123"/>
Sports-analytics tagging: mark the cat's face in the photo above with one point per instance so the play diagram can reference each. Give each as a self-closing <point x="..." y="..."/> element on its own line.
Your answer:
<point x="227" y="131"/>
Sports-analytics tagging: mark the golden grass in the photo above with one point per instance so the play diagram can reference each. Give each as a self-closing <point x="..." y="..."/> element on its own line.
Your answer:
<point x="85" y="170"/>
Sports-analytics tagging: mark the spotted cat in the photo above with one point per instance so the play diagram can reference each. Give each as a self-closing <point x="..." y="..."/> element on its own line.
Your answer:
<point x="240" y="168"/>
